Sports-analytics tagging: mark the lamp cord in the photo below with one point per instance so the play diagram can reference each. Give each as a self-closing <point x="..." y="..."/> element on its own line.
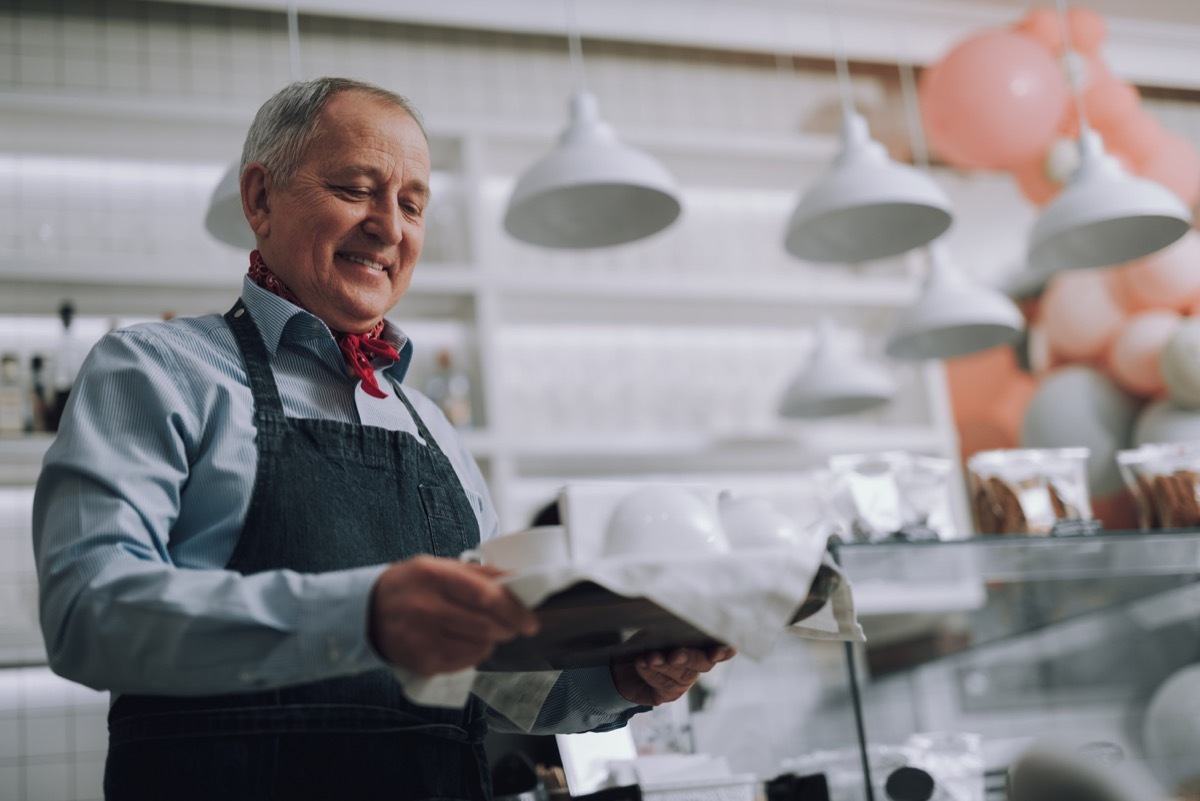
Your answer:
<point x="1072" y="77"/>
<point x="839" y="58"/>
<point x="293" y="22"/>
<point x="784" y="63"/>
<point x="908" y="89"/>
<point x="576" y="47"/>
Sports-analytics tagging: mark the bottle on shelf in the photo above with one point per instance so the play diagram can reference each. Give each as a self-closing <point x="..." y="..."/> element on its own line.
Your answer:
<point x="68" y="356"/>
<point x="38" y="396"/>
<point x="14" y="402"/>
<point x="450" y="388"/>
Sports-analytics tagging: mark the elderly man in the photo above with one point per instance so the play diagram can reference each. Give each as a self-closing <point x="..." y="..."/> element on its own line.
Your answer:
<point x="245" y="521"/>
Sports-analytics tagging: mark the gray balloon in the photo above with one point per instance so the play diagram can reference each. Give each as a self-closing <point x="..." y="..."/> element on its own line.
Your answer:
<point x="1163" y="421"/>
<point x="1079" y="406"/>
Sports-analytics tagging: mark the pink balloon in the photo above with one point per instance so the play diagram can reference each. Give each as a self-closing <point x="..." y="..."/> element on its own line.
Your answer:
<point x="1035" y="182"/>
<point x="1177" y="167"/>
<point x="1166" y="279"/>
<point x="1110" y="99"/>
<point x="994" y="101"/>
<point x="1106" y="98"/>
<point x="1042" y="23"/>
<point x="1087" y="29"/>
<point x="1137" y="137"/>
<point x="1133" y="360"/>
<point x="1080" y="315"/>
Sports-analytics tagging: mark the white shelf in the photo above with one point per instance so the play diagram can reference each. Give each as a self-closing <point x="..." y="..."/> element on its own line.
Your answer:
<point x="21" y="459"/>
<point x="833" y="289"/>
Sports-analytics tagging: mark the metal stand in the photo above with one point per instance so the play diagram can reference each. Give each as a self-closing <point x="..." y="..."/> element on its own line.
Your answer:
<point x="856" y="702"/>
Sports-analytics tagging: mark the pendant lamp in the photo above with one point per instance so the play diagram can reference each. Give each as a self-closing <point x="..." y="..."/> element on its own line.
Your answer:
<point x="592" y="190"/>
<point x="953" y="316"/>
<point x="866" y="206"/>
<point x="835" y="382"/>
<point x="224" y="218"/>
<point x="1103" y="215"/>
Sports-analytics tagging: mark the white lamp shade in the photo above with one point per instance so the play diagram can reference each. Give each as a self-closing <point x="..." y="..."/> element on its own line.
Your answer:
<point x="953" y="317"/>
<point x="867" y="206"/>
<point x="1104" y="216"/>
<point x="836" y="384"/>
<point x="592" y="191"/>
<point x="225" y="219"/>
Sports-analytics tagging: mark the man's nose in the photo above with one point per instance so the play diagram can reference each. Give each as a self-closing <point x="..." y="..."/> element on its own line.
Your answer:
<point x="385" y="221"/>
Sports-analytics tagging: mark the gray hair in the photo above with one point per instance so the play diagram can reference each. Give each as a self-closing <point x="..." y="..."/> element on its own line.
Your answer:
<point x="287" y="123"/>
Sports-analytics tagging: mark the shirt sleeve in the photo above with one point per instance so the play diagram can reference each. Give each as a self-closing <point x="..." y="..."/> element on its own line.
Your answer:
<point x="583" y="699"/>
<point x="118" y="611"/>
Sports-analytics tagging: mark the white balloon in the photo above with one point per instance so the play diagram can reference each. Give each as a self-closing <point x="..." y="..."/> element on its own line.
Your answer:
<point x="1171" y="728"/>
<point x="1179" y="363"/>
<point x="1163" y="421"/>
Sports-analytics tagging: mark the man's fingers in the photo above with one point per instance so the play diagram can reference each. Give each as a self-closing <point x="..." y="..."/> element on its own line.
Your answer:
<point x="478" y="594"/>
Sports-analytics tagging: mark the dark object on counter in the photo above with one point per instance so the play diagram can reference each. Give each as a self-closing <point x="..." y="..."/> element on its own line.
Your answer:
<point x="909" y="784"/>
<point x="514" y="778"/>
<point x="586" y="625"/>
<point x="790" y="787"/>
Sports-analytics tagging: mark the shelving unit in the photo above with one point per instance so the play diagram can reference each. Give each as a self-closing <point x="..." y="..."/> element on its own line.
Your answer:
<point x="619" y="320"/>
<point x="1067" y="637"/>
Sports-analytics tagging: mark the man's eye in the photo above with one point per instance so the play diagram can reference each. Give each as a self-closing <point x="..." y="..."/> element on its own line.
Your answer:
<point x="356" y="191"/>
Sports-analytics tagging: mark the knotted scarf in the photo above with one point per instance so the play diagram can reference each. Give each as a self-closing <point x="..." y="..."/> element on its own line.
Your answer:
<point x="357" y="349"/>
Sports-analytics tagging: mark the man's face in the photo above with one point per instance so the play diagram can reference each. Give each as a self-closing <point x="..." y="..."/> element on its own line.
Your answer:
<point x="345" y="234"/>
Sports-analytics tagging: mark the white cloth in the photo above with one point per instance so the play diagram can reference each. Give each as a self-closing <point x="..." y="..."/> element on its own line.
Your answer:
<point x="746" y="598"/>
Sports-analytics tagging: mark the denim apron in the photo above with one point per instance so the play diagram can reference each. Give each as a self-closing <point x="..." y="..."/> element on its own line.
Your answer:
<point x="327" y="496"/>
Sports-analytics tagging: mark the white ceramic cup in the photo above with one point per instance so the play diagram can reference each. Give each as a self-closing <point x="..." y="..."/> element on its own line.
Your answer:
<point x="663" y="521"/>
<point x="529" y="549"/>
<point x="754" y="522"/>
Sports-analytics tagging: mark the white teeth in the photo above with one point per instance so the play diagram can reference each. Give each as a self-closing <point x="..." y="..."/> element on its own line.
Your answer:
<point x="365" y="262"/>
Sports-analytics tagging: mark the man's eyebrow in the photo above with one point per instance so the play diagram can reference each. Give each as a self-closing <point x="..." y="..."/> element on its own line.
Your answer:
<point x="418" y="186"/>
<point x="415" y="185"/>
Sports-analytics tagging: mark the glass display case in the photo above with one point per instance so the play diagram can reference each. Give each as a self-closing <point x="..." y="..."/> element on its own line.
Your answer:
<point x="1067" y="658"/>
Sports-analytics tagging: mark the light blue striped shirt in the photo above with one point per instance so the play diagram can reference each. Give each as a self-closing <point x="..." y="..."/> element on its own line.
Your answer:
<point x="141" y="500"/>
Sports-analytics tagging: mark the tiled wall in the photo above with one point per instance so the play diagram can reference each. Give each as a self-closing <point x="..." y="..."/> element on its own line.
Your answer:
<point x="52" y="737"/>
<point x="52" y="731"/>
<point x="20" y="638"/>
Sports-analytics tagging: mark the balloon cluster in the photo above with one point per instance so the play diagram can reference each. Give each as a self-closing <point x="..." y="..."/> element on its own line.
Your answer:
<point x="1116" y="358"/>
<point x="1003" y="99"/>
<point x="1115" y="350"/>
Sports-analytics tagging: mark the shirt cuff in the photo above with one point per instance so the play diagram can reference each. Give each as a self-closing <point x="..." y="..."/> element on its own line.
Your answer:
<point x="595" y="684"/>
<point x="336" y="622"/>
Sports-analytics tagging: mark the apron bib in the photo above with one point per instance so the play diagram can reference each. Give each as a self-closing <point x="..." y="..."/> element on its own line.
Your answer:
<point x="327" y="496"/>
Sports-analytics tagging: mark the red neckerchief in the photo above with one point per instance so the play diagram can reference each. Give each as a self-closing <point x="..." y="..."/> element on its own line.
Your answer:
<point x="357" y="349"/>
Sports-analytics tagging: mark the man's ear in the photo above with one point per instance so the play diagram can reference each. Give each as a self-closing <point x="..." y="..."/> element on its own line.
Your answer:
<point x="256" y="190"/>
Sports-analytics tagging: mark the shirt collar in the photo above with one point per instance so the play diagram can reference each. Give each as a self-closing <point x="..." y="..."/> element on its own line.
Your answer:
<point x="277" y="318"/>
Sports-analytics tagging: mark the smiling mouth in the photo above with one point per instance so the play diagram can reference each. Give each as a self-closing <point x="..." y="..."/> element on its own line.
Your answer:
<point x="373" y="265"/>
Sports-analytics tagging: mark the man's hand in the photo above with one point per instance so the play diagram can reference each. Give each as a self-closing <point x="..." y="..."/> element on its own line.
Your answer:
<point x="655" y="678"/>
<point x="432" y="615"/>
